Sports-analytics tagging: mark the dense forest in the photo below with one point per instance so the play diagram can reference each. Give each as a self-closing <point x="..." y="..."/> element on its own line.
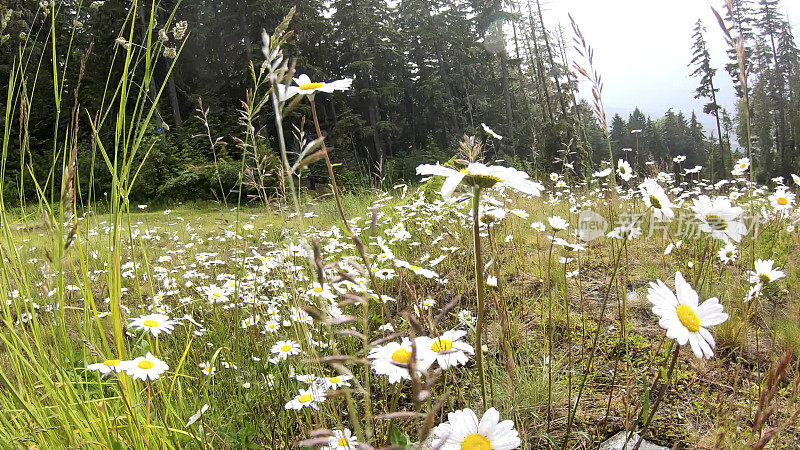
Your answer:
<point x="425" y="73"/>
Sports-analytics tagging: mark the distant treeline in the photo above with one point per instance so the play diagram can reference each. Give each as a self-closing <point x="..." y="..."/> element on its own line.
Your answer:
<point x="425" y="71"/>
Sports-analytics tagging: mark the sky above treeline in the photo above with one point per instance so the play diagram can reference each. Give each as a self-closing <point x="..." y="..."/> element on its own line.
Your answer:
<point x="643" y="48"/>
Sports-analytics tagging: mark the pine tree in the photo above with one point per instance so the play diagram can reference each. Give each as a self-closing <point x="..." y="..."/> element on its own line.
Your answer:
<point x="701" y="61"/>
<point x="366" y="48"/>
<point x="769" y="23"/>
<point x="740" y="16"/>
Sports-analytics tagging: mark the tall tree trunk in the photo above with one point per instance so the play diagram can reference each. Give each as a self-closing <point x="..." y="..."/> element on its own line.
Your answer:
<point x="444" y="75"/>
<point x="719" y="129"/>
<point x="506" y="92"/>
<point x="539" y="65"/>
<point x="525" y="96"/>
<point x="374" y="119"/>
<point x="552" y="63"/>
<point x="779" y="113"/>
<point x="244" y="29"/>
<point x="173" y="100"/>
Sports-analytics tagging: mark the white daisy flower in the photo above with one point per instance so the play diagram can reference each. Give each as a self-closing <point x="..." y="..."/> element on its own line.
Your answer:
<point x="538" y="226"/>
<point x="107" y="366"/>
<point x="306" y="398"/>
<point x="147" y="366"/>
<point x="466" y="318"/>
<point x="602" y="173"/>
<point x="782" y="200"/>
<point x="428" y="303"/>
<point x="463" y="431"/>
<point x="342" y="440"/>
<point x="558" y="223"/>
<point x="764" y="272"/>
<point x="624" y="170"/>
<point x="719" y="218"/>
<point x="728" y="253"/>
<point x="207" y="369"/>
<point x="337" y="381"/>
<point x="250" y="321"/>
<point x="306" y="378"/>
<point x="683" y="317"/>
<point x="479" y="174"/>
<point x="654" y="196"/>
<point x="741" y="166"/>
<point x="319" y="291"/>
<point x="284" y="349"/>
<point x="625" y="232"/>
<point x="304" y="86"/>
<point x="392" y="360"/>
<point x="754" y="292"/>
<point x="447" y="350"/>
<point x="384" y="274"/>
<point x="491" y="132"/>
<point x="427" y="273"/>
<point x="153" y="323"/>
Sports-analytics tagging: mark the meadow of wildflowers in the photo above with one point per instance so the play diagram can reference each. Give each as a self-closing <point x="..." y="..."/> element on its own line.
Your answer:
<point x="482" y="307"/>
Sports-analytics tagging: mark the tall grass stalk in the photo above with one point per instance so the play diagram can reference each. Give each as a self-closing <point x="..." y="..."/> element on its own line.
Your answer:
<point x="479" y="286"/>
<point x="40" y="383"/>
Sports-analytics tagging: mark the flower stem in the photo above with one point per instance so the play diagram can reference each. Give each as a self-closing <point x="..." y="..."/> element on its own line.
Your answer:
<point x="476" y="235"/>
<point x="284" y="156"/>
<point x="574" y="406"/>
<point x="675" y="352"/>
<point x="370" y="274"/>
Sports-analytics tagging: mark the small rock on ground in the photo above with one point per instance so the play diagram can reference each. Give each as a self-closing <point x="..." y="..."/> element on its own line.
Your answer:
<point x="617" y="442"/>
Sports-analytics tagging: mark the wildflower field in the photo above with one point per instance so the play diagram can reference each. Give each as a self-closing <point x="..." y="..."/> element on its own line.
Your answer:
<point x="253" y="328"/>
<point x="474" y="306"/>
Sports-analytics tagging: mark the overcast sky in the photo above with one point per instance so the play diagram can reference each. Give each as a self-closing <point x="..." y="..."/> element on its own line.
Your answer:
<point x="642" y="48"/>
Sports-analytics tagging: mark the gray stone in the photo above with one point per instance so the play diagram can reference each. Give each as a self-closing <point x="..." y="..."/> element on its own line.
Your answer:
<point x="617" y="442"/>
<point x="427" y="444"/>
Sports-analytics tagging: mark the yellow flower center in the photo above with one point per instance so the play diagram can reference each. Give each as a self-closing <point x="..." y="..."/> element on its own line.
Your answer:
<point x="150" y="323"/>
<point x="743" y="166"/>
<point x="307" y="86"/>
<point x="716" y="222"/>
<point x="442" y="345"/>
<point x="305" y="398"/>
<point x="286" y="348"/>
<point x="317" y="289"/>
<point x="688" y="318"/>
<point x="217" y="294"/>
<point x="482" y="181"/>
<point x="112" y="362"/>
<point x="342" y="442"/>
<point x="146" y="364"/>
<point x="654" y="202"/>
<point x="476" y="441"/>
<point x="334" y="379"/>
<point x="783" y="201"/>
<point x="401" y="356"/>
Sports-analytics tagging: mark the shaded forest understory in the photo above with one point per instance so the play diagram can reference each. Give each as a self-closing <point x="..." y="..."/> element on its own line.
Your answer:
<point x="425" y="73"/>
